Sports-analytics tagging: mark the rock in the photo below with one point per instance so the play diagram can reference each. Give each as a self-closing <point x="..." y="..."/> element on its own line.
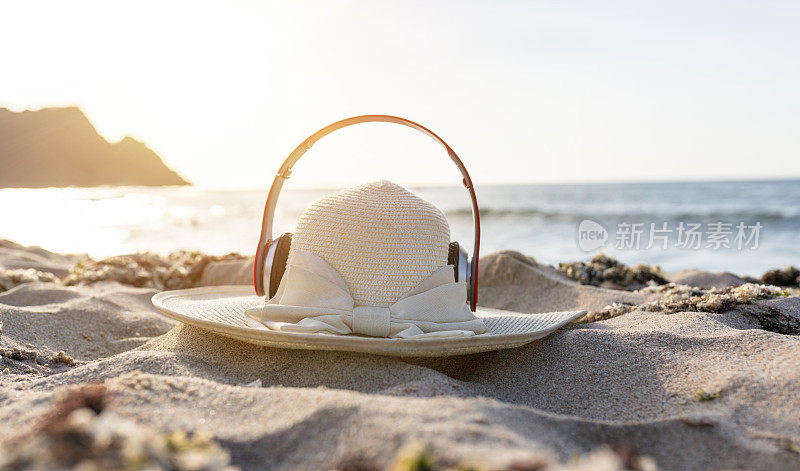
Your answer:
<point x="57" y="147"/>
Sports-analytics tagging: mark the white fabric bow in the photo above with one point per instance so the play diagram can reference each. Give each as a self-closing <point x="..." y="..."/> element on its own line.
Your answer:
<point x="313" y="297"/>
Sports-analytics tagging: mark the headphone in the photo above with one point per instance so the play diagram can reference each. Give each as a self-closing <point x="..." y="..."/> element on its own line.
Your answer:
<point x="272" y="254"/>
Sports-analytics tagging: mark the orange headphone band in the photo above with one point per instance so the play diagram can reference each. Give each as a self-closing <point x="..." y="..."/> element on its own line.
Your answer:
<point x="286" y="170"/>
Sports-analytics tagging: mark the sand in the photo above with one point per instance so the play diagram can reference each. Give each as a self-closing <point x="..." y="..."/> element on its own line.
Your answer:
<point x="560" y="403"/>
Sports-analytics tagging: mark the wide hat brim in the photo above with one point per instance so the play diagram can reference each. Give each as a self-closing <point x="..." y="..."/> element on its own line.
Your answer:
<point x="221" y="309"/>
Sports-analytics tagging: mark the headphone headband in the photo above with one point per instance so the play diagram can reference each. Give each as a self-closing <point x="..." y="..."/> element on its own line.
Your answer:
<point x="286" y="170"/>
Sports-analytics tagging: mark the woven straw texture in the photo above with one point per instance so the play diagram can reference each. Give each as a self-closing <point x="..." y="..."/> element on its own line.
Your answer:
<point x="383" y="239"/>
<point x="221" y="309"/>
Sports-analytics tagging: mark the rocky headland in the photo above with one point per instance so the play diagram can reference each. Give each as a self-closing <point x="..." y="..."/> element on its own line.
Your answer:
<point x="59" y="147"/>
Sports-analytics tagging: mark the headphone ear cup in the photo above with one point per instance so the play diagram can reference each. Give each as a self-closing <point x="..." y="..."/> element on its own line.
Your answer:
<point x="284" y="243"/>
<point x="453" y="258"/>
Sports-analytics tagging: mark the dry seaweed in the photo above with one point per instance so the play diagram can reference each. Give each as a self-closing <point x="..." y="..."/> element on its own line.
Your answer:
<point x="18" y="354"/>
<point x="174" y="271"/>
<point x="787" y="276"/>
<point x="62" y="357"/>
<point x="10" y="278"/>
<point x="682" y="298"/>
<point x="23" y="361"/>
<point x="603" y="268"/>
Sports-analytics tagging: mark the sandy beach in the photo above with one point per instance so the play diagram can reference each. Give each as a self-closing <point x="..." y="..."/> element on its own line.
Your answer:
<point x="643" y="390"/>
<point x="286" y="235"/>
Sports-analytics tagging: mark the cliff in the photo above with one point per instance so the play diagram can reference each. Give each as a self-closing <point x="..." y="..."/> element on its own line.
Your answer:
<point x="56" y="147"/>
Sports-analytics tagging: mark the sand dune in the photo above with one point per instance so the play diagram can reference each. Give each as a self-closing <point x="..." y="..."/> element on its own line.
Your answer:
<point x="561" y="401"/>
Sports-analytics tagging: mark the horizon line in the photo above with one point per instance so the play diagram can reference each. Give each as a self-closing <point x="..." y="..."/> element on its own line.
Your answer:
<point x="333" y="186"/>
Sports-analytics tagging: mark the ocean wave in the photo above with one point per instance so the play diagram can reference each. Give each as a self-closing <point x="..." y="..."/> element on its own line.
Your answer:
<point x="578" y="215"/>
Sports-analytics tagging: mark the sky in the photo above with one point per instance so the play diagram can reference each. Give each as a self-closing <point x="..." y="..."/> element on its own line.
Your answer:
<point x="525" y="92"/>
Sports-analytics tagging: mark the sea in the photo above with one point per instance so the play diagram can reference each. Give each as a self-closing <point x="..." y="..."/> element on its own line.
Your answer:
<point x="744" y="227"/>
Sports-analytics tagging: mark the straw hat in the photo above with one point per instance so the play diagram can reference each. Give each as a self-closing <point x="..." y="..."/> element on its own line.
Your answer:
<point x="367" y="271"/>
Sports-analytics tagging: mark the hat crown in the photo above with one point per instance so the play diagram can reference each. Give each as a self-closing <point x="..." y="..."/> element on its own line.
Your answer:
<point x="382" y="239"/>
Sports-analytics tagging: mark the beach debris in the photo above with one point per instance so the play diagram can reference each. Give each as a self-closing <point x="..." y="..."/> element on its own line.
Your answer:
<point x="704" y="396"/>
<point x="18" y="354"/>
<point x="79" y="432"/>
<point x="682" y="298"/>
<point x="28" y="361"/>
<point x="181" y="269"/>
<point x="786" y="276"/>
<point x="10" y="278"/>
<point x="605" y="270"/>
<point x="62" y="357"/>
<point x="176" y="270"/>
